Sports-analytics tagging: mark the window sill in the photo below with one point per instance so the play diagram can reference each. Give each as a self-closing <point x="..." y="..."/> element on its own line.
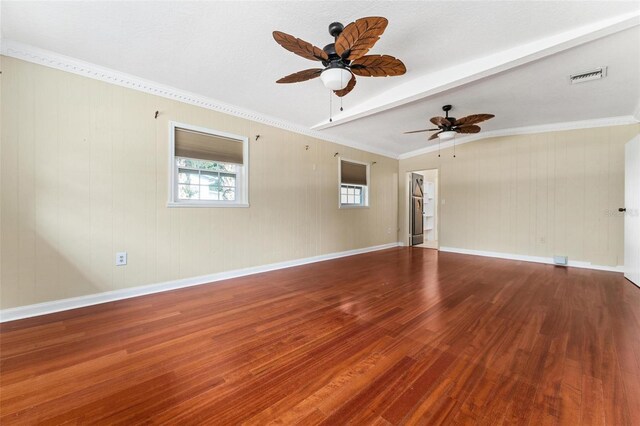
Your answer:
<point x="173" y="204"/>
<point x="352" y="207"/>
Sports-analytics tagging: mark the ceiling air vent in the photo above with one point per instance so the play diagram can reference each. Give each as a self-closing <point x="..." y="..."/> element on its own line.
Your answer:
<point x="583" y="77"/>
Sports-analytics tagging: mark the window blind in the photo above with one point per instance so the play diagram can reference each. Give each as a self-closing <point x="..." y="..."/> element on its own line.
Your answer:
<point x="353" y="173"/>
<point x="202" y="146"/>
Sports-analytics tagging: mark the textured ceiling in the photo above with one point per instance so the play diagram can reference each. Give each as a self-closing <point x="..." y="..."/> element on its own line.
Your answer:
<point x="224" y="50"/>
<point x="534" y="94"/>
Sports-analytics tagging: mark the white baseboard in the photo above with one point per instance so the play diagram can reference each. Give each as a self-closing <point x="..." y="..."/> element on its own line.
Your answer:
<point x="536" y="259"/>
<point x="28" y="311"/>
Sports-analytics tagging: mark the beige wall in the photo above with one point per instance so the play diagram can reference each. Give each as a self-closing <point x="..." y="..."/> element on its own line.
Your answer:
<point x="84" y="175"/>
<point x="83" y="169"/>
<point x="545" y="194"/>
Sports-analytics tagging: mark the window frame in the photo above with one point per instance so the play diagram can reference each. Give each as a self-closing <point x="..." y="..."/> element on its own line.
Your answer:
<point x="365" y="188"/>
<point x="242" y="190"/>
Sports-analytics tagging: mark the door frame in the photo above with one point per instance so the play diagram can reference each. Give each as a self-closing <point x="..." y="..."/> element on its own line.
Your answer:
<point x="417" y="180"/>
<point x="631" y="212"/>
<point x="407" y="201"/>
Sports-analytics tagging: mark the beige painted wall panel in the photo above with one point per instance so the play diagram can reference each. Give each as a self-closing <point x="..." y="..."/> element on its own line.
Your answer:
<point x="26" y="193"/>
<point x="9" y="180"/>
<point x="538" y="195"/>
<point x="560" y="184"/>
<point x="540" y="167"/>
<point x="595" y="243"/>
<point x="101" y="175"/>
<point x="84" y="174"/>
<point x="550" y="213"/>
<point x="573" y="174"/>
<point x="46" y="191"/>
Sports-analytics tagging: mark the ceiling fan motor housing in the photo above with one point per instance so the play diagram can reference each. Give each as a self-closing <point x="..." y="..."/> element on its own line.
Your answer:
<point x="330" y="50"/>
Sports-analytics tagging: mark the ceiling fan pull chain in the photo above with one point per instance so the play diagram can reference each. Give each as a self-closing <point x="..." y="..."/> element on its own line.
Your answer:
<point x="330" y="108"/>
<point x="341" y="85"/>
<point x="454" y="148"/>
<point x="438" y="147"/>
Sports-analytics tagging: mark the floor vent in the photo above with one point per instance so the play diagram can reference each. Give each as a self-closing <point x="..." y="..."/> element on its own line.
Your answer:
<point x="583" y="77"/>
<point x="561" y="260"/>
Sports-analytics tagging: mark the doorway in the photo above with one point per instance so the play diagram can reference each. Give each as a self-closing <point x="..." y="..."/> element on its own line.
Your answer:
<point x="423" y="208"/>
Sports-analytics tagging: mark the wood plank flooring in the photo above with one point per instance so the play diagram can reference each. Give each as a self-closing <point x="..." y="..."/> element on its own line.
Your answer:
<point x="400" y="336"/>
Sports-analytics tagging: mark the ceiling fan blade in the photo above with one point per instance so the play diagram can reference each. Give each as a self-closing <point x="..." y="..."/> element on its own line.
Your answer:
<point x="378" y="66"/>
<point x="300" y="47"/>
<point x="435" y="135"/>
<point x="358" y="37"/>
<point x="299" y="76"/>
<point x="420" y="131"/>
<point x="349" y="88"/>
<point x="468" y="128"/>
<point x="473" y="119"/>
<point x="440" y="121"/>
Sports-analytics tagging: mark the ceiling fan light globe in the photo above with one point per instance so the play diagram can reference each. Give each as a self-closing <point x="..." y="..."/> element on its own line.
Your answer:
<point x="335" y="78"/>
<point x="447" y="136"/>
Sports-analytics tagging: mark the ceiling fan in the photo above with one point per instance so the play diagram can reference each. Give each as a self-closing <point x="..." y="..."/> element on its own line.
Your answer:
<point x="449" y="126"/>
<point x="344" y="58"/>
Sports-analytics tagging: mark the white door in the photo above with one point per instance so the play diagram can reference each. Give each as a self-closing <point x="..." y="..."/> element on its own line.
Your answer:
<point x="632" y="214"/>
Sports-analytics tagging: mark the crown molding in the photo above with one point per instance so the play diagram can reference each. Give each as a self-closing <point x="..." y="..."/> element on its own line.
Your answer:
<point x="544" y="128"/>
<point x="86" y="69"/>
<point x="64" y="63"/>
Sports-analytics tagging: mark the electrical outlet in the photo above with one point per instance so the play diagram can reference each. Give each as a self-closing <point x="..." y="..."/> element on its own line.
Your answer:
<point x="121" y="258"/>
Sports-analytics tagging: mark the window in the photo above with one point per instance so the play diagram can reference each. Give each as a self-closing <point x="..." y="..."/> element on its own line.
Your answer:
<point x="351" y="195"/>
<point x="206" y="180"/>
<point x="208" y="168"/>
<point x="354" y="184"/>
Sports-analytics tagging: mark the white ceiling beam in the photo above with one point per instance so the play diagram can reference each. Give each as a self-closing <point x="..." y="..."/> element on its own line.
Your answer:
<point x="449" y="78"/>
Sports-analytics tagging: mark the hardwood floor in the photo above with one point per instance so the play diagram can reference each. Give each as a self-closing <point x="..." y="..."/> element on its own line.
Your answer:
<point x="400" y="336"/>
